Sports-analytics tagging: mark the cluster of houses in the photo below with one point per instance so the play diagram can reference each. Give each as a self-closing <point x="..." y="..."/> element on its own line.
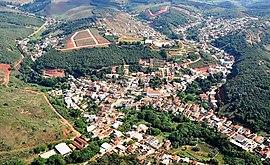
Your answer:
<point x="36" y="48"/>
<point x="136" y="141"/>
<point x="134" y="91"/>
<point x="237" y="134"/>
<point x="124" y="93"/>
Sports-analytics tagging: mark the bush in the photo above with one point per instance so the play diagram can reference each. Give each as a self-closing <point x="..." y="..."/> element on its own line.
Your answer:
<point x="196" y="149"/>
<point x="40" y="149"/>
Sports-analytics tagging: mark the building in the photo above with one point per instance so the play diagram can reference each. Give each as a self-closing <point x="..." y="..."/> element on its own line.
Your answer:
<point x="63" y="149"/>
<point x="153" y="93"/>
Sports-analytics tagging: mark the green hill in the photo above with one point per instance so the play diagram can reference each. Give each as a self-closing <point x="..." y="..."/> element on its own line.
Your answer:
<point x="248" y="88"/>
<point x="14" y="26"/>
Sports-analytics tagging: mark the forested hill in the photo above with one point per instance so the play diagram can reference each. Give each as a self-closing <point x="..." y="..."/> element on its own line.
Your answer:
<point x="247" y="90"/>
<point x="80" y="60"/>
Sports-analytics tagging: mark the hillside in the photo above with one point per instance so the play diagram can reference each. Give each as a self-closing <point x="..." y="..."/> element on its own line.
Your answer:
<point x="14" y="26"/>
<point x="68" y="9"/>
<point x="247" y="90"/>
<point x="26" y="122"/>
<point x="81" y="61"/>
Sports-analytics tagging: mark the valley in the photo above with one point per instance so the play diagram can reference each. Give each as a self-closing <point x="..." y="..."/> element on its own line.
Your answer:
<point x="135" y="81"/>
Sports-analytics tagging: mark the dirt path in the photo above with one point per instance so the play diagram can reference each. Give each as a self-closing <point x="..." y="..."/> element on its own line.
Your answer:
<point x="258" y="36"/>
<point x="64" y="121"/>
<point x="192" y="62"/>
<point x="17" y="63"/>
<point x="35" y="32"/>
<point x="5" y="70"/>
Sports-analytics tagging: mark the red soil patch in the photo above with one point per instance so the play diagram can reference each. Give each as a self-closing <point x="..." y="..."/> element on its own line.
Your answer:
<point x="70" y="44"/>
<point x="163" y="10"/>
<point x="5" y="70"/>
<point x="102" y="40"/>
<point x="54" y="73"/>
<point x="182" y="10"/>
<point x="204" y="69"/>
<point x="67" y="132"/>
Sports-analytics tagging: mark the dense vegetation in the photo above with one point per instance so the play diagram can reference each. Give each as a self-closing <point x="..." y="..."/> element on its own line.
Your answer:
<point x="115" y="159"/>
<point x="14" y="26"/>
<point x="36" y="6"/>
<point x="248" y="88"/>
<point x="81" y="61"/>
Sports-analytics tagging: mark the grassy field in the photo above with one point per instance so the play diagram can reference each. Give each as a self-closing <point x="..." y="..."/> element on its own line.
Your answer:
<point x="26" y="121"/>
<point x="202" y="154"/>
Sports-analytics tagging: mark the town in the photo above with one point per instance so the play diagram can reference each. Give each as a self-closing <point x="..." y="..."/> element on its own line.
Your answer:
<point x="123" y="89"/>
<point x="112" y="96"/>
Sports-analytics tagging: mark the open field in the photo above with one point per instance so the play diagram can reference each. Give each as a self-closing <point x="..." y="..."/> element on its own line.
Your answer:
<point x="202" y="154"/>
<point x="88" y="38"/>
<point x="81" y="35"/>
<point x="81" y="43"/>
<point x="130" y="39"/>
<point x="123" y="24"/>
<point x="26" y="121"/>
<point x="27" y="118"/>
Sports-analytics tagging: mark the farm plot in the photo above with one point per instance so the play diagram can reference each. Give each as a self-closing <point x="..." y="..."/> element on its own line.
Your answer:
<point x="82" y="35"/>
<point x="86" y="39"/>
<point x="84" y="42"/>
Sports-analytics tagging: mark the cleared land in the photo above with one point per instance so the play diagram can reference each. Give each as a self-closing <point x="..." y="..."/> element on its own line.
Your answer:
<point x="54" y="73"/>
<point x="123" y="24"/>
<point x="130" y="39"/>
<point x="27" y="118"/>
<point x="88" y="38"/>
<point x="26" y="121"/>
<point x="202" y="154"/>
<point x="4" y="74"/>
<point x="163" y="10"/>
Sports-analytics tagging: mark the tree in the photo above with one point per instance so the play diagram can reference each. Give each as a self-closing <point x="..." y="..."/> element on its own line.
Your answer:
<point x="40" y="149"/>
<point x="56" y="160"/>
<point x="39" y="161"/>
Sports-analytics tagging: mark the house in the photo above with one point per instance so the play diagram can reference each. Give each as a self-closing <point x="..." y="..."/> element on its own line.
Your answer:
<point x="142" y="127"/>
<point x="63" y="149"/>
<point x="77" y="145"/>
<point x="81" y="141"/>
<point x="167" y="145"/>
<point x="153" y="93"/>
<point x="105" y="147"/>
<point x="258" y="139"/>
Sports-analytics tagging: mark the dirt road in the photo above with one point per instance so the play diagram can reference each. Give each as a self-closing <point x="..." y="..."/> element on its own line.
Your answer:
<point x="64" y="121"/>
<point x="17" y="63"/>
